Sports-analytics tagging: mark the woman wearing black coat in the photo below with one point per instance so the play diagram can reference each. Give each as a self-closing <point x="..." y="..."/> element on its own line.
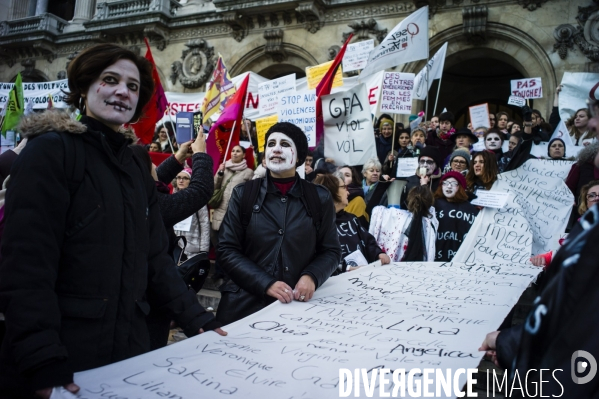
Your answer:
<point x="84" y="251"/>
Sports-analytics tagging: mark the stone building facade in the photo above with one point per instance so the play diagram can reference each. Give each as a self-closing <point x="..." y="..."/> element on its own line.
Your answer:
<point x="490" y="41"/>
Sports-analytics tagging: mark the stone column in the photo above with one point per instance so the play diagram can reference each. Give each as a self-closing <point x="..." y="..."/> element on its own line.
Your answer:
<point x="41" y="7"/>
<point x="84" y="11"/>
<point x="19" y="9"/>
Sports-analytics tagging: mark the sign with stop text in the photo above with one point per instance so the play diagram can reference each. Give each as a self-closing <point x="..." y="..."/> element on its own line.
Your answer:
<point x="348" y="132"/>
<point x="527" y="88"/>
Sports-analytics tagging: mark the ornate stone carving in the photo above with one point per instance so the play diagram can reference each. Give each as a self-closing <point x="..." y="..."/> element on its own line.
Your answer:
<point x="238" y="23"/>
<point x="157" y="36"/>
<point x="274" y="44"/>
<point x="287" y="20"/>
<point x="262" y="21"/>
<point x="47" y="50"/>
<point x="363" y="29"/>
<point x="474" y="20"/>
<point x="312" y="15"/>
<point x="531" y="5"/>
<point x="585" y="36"/>
<point x="274" y="19"/>
<point x="333" y="51"/>
<point x="196" y="65"/>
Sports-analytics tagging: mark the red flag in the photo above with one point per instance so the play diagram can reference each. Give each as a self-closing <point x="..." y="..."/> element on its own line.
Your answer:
<point x="154" y="109"/>
<point x="324" y="88"/>
<point x="220" y="132"/>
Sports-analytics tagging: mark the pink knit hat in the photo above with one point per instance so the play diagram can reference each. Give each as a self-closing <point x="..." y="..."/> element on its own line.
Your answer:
<point x="456" y="175"/>
<point x="188" y="171"/>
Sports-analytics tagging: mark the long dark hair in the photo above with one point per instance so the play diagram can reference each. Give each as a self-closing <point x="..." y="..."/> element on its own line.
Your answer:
<point x="490" y="170"/>
<point x="419" y="201"/>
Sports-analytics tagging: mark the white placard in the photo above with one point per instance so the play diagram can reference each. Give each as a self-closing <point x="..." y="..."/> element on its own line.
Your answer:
<point x="527" y="88"/>
<point x="299" y="108"/>
<point x="517" y="101"/>
<point x="577" y="87"/>
<point x="491" y="199"/>
<point x="356" y="55"/>
<point x="540" y="205"/>
<point x="398" y="316"/>
<point x="356" y="258"/>
<point x="348" y="131"/>
<point x="479" y="116"/>
<point x="37" y="93"/>
<point x="431" y="71"/>
<point x="406" y="167"/>
<point x="270" y="91"/>
<point x="479" y="146"/>
<point x="183" y="225"/>
<point x="396" y="96"/>
<point x="407" y="42"/>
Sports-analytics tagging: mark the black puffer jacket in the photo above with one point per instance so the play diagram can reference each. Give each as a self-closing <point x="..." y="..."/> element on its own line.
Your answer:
<point x="279" y="244"/>
<point x="79" y="273"/>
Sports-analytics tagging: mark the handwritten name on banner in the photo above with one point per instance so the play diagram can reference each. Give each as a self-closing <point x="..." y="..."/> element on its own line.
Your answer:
<point x="408" y="315"/>
<point x="531" y="221"/>
<point x="299" y="108"/>
<point x="37" y="93"/>
<point x="396" y="97"/>
<point x="348" y="131"/>
<point x="527" y="88"/>
<point x="271" y="91"/>
<point x="356" y="55"/>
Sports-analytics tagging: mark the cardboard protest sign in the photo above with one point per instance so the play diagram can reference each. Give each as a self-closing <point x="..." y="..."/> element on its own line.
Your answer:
<point x="407" y="42"/>
<point x="479" y="116"/>
<point x="356" y="55"/>
<point x="527" y="88"/>
<point x="262" y="126"/>
<point x="38" y="93"/>
<point x="348" y="131"/>
<point x="396" y="96"/>
<point x="402" y="316"/>
<point x="270" y="92"/>
<point x="299" y="108"/>
<point x="530" y="223"/>
<point x="577" y="87"/>
<point x="517" y="101"/>
<point x="315" y="74"/>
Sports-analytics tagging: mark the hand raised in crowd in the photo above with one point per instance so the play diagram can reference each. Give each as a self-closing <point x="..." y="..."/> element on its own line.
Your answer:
<point x="304" y="289"/>
<point x="385" y="259"/>
<point x="489" y="346"/>
<point x="47" y="392"/>
<point x="424" y="180"/>
<point x="556" y="99"/>
<point x="280" y="291"/>
<point x="199" y="144"/>
<point x="183" y="152"/>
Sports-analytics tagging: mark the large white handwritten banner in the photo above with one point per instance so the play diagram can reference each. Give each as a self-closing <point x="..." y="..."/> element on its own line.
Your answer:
<point x="38" y="93"/>
<point x="577" y="87"/>
<point x="527" y="88"/>
<point x="530" y="223"/>
<point x="348" y="132"/>
<point x="396" y="97"/>
<point x="403" y="315"/>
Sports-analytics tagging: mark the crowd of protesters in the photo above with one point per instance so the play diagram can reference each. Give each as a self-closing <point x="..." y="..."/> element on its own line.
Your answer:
<point x="103" y="284"/>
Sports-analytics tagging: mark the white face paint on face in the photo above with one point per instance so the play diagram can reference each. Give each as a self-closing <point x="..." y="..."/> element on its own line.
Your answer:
<point x="450" y="187"/>
<point x="493" y="142"/>
<point x="281" y="153"/>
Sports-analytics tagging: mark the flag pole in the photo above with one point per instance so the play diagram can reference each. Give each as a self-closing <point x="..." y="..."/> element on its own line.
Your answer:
<point x="427" y="90"/>
<point x="230" y="139"/>
<point x="393" y="139"/>
<point x="437" y="99"/>
<point x="168" y="136"/>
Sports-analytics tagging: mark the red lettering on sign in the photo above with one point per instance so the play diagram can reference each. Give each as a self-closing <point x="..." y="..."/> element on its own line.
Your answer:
<point x="251" y="100"/>
<point x="372" y="95"/>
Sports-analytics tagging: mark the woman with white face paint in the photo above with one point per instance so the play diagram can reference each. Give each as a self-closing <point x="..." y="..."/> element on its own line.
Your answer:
<point x="271" y="246"/>
<point x="230" y="173"/>
<point x="454" y="213"/>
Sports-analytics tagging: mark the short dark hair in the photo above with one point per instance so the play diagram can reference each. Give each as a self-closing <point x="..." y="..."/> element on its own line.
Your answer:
<point x="331" y="183"/>
<point x="90" y="63"/>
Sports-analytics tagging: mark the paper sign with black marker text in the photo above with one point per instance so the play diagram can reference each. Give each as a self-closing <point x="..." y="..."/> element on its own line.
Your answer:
<point x="396" y="96"/>
<point x="527" y="88"/>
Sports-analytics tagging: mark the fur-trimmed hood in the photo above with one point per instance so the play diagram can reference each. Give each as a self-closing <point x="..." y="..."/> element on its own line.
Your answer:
<point x="588" y="153"/>
<point x="36" y="124"/>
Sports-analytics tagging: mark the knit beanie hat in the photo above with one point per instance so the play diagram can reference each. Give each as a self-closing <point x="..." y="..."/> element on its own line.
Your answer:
<point x="188" y="171"/>
<point x="460" y="153"/>
<point x="295" y="134"/>
<point x="456" y="175"/>
<point x="431" y="152"/>
<point x="551" y="142"/>
<point x="412" y="117"/>
<point x="446" y="116"/>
